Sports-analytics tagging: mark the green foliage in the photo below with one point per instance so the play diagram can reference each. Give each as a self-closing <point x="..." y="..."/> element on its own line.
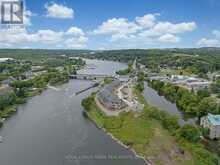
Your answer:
<point x="125" y="71"/>
<point x="168" y="121"/>
<point x="147" y="137"/>
<point x="140" y="86"/>
<point x="22" y="84"/>
<point x="207" y="105"/>
<point x="190" y="103"/>
<point x="190" y="133"/>
<point x="87" y="102"/>
<point x="197" y="61"/>
<point x="7" y="100"/>
<point x="141" y="76"/>
<point x="202" y="155"/>
<point x="205" y="132"/>
<point x="203" y="93"/>
<point x="107" y="81"/>
<point x="215" y="87"/>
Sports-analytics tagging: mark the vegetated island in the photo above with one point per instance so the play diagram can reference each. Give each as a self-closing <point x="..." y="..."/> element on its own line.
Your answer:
<point x="152" y="134"/>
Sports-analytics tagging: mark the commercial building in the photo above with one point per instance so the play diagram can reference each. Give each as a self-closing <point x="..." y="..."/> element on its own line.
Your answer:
<point x="190" y="82"/>
<point x="108" y="97"/>
<point x="212" y="122"/>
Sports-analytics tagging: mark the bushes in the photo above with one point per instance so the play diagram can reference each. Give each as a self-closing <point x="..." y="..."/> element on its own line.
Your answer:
<point x="87" y="102"/>
<point x="125" y="71"/>
<point x="190" y="103"/>
<point x="140" y="86"/>
<point x="190" y="133"/>
<point x="168" y="121"/>
<point x="203" y="93"/>
<point x="7" y="100"/>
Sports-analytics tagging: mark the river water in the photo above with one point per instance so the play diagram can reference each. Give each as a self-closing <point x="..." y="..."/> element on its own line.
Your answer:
<point x="160" y="101"/>
<point x="51" y="130"/>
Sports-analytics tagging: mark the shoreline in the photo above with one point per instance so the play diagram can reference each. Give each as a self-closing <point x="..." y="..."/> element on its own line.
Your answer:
<point x="147" y="162"/>
<point x="14" y="108"/>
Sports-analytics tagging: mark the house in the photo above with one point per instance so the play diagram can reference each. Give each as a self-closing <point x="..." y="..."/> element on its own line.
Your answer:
<point x="212" y="122"/>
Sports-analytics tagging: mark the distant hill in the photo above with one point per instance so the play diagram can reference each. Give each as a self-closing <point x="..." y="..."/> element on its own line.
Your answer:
<point x="109" y="54"/>
<point x="19" y="53"/>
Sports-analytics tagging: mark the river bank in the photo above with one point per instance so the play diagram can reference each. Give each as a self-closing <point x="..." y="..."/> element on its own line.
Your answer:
<point x="53" y="123"/>
<point x="22" y="91"/>
<point x="143" y="135"/>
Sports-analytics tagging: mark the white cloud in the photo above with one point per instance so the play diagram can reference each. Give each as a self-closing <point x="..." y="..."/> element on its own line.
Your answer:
<point x="147" y="20"/>
<point x="117" y="27"/>
<point x="169" y="38"/>
<point x="208" y="42"/>
<point x="21" y="37"/>
<point x="27" y="17"/>
<point x="76" y="43"/>
<point x="162" y="28"/>
<point x="48" y="36"/>
<point x="75" y="31"/>
<point x="59" y="11"/>
<point x="145" y="28"/>
<point x="216" y="33"/>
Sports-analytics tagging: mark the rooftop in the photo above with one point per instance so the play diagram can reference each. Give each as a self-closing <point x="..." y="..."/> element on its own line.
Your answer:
<point x="107" y="93"/>
<point x="214" y="119"/>
<point x="5" y="59"/>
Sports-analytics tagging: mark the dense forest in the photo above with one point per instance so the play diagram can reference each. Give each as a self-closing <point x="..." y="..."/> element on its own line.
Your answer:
<point x="198" y="61"/>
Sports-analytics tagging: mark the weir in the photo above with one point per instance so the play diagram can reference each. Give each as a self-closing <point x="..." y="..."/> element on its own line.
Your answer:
<point x="83" y="90"/>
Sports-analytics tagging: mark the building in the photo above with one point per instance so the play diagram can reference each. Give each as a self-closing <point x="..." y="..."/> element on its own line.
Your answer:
<point x="5" y="59"/>
<point x="108" y="97"/>
<point x="198" y="85"/>
<point x="212" y="122"/>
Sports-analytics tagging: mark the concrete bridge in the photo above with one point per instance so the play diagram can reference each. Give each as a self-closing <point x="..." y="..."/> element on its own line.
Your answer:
<point x="90" y="76"/>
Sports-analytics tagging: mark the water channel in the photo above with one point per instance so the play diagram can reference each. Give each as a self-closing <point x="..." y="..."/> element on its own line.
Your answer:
<point x="50" y="129"/>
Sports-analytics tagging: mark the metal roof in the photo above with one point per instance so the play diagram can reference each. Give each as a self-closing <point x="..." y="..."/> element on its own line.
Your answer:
<point x="214" y="119"/>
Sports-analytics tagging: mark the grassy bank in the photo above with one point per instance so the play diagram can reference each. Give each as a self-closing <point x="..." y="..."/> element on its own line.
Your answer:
<point x="148" y="136"/>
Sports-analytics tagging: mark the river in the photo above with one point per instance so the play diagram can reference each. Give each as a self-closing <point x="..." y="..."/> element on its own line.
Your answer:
<point x="160" y="101"/>
<point x="51" y="130"/>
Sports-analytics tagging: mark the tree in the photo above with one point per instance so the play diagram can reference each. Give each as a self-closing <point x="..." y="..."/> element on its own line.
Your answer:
<point x="203" y="93"/>
<point x="207" y="105"/>
<point x="190" y="133"/>
<point x="141" y="76"/>
<point x="7" y="99"/>
<point x="87" y="102"/>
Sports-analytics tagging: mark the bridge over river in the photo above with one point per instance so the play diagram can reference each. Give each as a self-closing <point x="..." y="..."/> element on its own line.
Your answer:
<point x="90" y="76"/>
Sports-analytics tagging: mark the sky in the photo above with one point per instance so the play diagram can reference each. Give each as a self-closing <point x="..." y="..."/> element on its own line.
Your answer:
<point x="115" y="24"/>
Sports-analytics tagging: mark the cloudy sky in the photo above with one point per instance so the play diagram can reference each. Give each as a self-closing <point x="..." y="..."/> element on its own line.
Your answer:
<point x="115" y="24"/>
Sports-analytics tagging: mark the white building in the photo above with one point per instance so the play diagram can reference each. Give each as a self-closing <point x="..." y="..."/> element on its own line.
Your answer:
<point x="212" y="122"/>
<point x="198" y="85"/>
<point x="5" y="59"/>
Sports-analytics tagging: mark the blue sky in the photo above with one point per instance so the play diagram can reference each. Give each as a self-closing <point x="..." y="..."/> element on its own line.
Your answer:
<point x="116" y="24"/>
